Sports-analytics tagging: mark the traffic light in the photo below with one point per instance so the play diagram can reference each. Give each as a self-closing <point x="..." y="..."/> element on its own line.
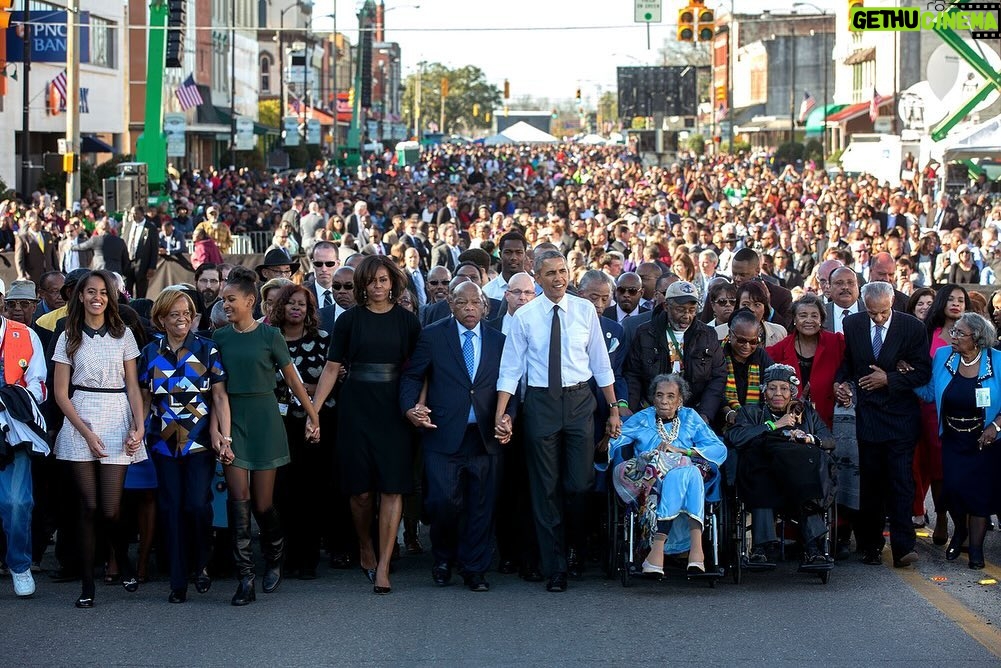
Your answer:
<point x="507" y="89"/>
<point x="444" y="87"/>
<point x="476" y="109"/>
<point x="686" y="24"/>
<point x="486" y="117"/>
<point x="6" y="7"/>
<point x="706" y="26"/>
<point x="70" y="163"/>
<point x="176" y="20"/>
<point x="556" y="113"/>
<point x="351" y="99"/>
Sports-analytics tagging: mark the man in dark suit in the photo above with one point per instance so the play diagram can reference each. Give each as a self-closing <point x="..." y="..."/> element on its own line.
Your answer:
<point x="467" y="271"/>
<point x="788" y="277"/>
<point x="944" y="216"/>
<point x="621" y="241"/>
<point x="375" y="245"/>
<point x="416" y="278"/>
<point x="141" y="240"/>
<point x="746" y="266"/>
<point x="412" y="237"/>
<point x="448" y="213"/>
<point x="883" y="268"/>
<point x="628" y="294"/>
<point x="877" y="344"/>
<point x="447" y="254"/>
<point x="107" y="250"/>
<point x="844" y="301"/>
<point x="461" y="451"/>
<point x="34" y="250"/>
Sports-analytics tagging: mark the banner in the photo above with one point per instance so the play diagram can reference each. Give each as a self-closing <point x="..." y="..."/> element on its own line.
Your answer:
<point x="313" y="131"/>
<point x="175" y="125"/>
<point x="290" y="130"/>
<point x="246" y="140"/>
<point x="48" y="37"/>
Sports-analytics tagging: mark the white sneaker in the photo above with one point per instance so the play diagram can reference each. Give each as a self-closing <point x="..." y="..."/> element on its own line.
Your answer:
<point x="24" y="584"/>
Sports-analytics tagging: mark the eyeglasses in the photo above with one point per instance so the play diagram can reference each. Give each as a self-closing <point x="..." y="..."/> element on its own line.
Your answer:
<point x="21" y="303"/>
<point x="630" y="291"/>
<point x="329" y="263"/>
<point x="519" y="293"/>
<point x="959" y="334"/>
<point x="437" y="282"/>
<point x="342" y="286"/>
<point x="723" y="301"/>
<point x="280" y="272"/>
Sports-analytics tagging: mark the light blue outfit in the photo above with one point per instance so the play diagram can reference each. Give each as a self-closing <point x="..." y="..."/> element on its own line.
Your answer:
<point x="945" y="365"/>
<point x="682" y="491"/>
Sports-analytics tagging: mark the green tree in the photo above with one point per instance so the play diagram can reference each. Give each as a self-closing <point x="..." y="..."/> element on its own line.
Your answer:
<point x="608" y="107"/>
<point x="470" y="98"/>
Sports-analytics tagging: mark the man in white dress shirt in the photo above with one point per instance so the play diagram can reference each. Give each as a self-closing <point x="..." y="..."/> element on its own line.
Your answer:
<point x="844" y="299"/>
<point x="513" y="248"/>
<point x="557" y="341"/>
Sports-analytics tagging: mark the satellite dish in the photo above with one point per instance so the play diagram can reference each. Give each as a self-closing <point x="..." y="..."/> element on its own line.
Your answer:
<point x="953" y="81"/>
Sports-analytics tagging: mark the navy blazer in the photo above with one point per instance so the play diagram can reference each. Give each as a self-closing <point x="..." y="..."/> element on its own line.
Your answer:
<point x="892" y="412"/>
<point x="438" y="359"/>
<point x="441" y="310"/>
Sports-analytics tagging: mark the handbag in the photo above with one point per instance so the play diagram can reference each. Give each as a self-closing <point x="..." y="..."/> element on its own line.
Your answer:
<point x="634" y="478"/>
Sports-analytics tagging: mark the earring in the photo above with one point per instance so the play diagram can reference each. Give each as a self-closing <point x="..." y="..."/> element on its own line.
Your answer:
<point x="364" y="295"/>
<point x="390" y="295"/>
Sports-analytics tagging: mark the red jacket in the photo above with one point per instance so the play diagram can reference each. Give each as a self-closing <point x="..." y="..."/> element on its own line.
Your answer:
<point x="830" y="350"/>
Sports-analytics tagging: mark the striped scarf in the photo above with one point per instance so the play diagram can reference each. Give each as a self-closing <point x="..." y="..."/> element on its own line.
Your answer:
<point x="753" y="385"/>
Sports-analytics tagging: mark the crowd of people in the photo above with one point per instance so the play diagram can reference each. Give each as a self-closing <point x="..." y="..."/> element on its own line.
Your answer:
<point x="460" y="342"/>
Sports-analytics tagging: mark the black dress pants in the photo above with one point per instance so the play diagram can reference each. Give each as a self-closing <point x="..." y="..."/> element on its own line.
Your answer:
<point x="887" y="490"/>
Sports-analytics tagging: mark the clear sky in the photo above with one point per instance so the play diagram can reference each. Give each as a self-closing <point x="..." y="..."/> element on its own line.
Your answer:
<point x="570" y="43"/>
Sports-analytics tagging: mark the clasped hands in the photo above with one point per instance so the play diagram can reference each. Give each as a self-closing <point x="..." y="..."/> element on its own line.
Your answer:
<point x="420" y="416"/>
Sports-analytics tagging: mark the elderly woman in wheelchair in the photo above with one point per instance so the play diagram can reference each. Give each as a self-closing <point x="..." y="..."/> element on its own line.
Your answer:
<point x="784" y="463"/>
<point x="674" y="453"/>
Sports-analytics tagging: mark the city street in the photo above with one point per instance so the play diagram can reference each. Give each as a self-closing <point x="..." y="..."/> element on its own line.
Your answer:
<point x="865" y="616"/>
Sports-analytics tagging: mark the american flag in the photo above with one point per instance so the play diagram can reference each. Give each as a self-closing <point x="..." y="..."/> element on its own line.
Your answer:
<point x="60" y="85"/>
<point x="721" y="112"/>
<point x="874" y="106"/>
<point x="806" y="106"/>
<point x="294" y="104"/>
<point x="187" y="94"/>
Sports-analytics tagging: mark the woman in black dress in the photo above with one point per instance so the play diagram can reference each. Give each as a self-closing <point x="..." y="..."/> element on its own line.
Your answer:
<point x="374" y="444"/>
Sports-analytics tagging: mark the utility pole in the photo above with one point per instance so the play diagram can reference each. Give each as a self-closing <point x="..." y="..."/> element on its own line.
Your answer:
<point x="73" y="100"/>
<point x="232" y="89"/>
<point x="26" y="107"/>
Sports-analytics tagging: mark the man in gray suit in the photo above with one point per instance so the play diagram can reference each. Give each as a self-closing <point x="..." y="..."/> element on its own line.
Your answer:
<point x="844" y="299"/>
<point x="107" y="251"/>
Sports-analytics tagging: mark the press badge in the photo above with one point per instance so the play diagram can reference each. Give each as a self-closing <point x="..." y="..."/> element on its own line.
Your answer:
<point x="283" y="409"/>
<point x="983" y="397"/>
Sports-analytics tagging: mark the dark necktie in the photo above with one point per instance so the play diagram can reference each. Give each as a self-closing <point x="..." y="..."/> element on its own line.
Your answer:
<point x="877" y="341"/>
<point x="327" y="299"/>
<point x="555" y="373"/>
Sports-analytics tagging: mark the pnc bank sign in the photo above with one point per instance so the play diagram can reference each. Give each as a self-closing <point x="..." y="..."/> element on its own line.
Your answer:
<point x="46" y="35"/>
<point x="980" y="18"/>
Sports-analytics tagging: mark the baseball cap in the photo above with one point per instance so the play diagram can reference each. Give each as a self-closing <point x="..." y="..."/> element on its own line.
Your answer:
<point x="681" y="292"/>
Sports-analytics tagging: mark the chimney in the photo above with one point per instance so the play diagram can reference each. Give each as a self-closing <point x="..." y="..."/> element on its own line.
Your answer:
<point x="380" y="22"/>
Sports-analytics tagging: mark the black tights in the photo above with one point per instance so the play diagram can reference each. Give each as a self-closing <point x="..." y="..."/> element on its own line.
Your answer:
<point x="244" y="485"/>
<point x="100" y="484"/>
<point x="972" y="527"/>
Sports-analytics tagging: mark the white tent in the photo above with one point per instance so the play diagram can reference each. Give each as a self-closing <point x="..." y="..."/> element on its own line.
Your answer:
<point x="494" y="140"/>
<point x="980" y="141"/>
<point x="592" y="140"/>
<point x="523" y="133"/>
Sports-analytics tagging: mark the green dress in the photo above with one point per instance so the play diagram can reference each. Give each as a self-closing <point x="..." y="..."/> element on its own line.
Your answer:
<point x="259" y="440"/>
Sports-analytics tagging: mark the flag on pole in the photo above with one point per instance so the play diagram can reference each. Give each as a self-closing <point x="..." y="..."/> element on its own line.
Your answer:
<point x="874" y="106"/>
<point x="187" y="94"/>
<point x="59" y="83"/>
<point x="295" y="104"/>
<point x="721" y="112"/>
<point x="806" y="106"/>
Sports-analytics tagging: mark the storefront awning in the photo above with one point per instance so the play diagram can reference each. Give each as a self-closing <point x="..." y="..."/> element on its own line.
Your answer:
<point x="860" y="56"/>
<point x="855" y="110"/>
<point x="764" y="124"/>
<point x="311" y="112"/>
<point x="817" y="119"/>
<point x="219" y="117"/>
<point x="91" y="144"/>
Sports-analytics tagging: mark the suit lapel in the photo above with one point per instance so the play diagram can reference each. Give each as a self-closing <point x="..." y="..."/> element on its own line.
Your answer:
<point x="890" y="343"/>
<point x="452" y="341"/>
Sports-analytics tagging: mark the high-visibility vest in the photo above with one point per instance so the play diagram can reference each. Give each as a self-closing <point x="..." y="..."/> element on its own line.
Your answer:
<point x="17" y="352"/>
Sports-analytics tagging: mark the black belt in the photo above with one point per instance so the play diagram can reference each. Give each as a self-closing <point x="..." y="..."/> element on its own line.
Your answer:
<point x="103" y="390"/>
<point x="566" y="388"/>
<point x="373" y="373"/>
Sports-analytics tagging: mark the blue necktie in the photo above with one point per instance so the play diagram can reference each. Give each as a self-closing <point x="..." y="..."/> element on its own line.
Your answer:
<point x="467" y="352"/>
<point x="877" y="341"/>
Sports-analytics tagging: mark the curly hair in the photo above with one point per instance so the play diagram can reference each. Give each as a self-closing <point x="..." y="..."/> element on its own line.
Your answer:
<point x="311" y="323"/>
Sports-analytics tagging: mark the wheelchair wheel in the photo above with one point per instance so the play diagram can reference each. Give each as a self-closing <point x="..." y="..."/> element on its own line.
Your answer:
<point x="614" y="539"/>
<point x="825" y="577"/>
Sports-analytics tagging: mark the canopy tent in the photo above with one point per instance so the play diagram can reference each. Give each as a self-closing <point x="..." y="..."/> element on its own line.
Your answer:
<point x="523" y="133"/>
<point x="592" y="140"/>
<point x="980" y="141"/>
<point x="494" y="140"/>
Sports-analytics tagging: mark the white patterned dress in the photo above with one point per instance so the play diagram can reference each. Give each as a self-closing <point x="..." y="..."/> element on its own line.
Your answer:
<point x="99" y="363"/>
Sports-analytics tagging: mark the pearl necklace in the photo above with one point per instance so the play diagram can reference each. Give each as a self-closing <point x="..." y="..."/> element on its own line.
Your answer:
<point x="669" y="436"/>
<point x="244" y="331"/>
<point x="973" y="361"/>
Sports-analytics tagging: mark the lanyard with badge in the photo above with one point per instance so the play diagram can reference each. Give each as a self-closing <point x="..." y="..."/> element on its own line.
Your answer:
<point x="678" y="365"/>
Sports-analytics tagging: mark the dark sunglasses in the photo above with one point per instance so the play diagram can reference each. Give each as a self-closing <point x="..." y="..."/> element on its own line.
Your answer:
<point x="345" y="286"/>
<point x="21" y="303"/>
<point x="722" y="301"/>
<point x="329" y="263"/>
<point x="746" y="342"/>
<point x="630" y="291"/>
<point x="437" y="282"/>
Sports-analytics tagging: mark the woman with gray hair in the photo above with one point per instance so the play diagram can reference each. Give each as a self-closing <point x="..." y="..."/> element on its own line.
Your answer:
<point x="966" y="389"/>
<point x="666" y="436"/>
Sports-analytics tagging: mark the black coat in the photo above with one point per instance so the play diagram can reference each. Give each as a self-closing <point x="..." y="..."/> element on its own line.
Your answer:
<point x="703" y="365"/>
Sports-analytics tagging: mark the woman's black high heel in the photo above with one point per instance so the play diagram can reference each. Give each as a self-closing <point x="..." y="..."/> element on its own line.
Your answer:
<point x="976" y="561"/>
<point x="131" y="585"/>
<point x="955" y="546"/>
<point x="369" y="573"/>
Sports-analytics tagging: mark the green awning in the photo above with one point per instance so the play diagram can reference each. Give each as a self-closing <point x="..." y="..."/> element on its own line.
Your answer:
<point x="815" y="119"/>
<point x="221" y="116"/>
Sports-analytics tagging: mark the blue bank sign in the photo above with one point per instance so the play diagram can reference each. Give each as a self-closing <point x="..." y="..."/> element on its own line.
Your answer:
<point x="47" y="35"/>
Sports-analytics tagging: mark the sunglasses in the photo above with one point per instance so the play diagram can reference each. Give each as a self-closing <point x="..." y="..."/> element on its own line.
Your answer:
<point x="437" y="282"/>
<point x="743" y="341"/>
<point x="20" y="303"/>
<point x="629" y="291"/>
<point x="342" y="286"/>
<point x="724" y="302"/>
<point x="329" y="263"/>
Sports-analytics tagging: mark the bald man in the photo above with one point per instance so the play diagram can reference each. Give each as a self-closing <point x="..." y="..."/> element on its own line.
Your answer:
<point x="883" y="268"/>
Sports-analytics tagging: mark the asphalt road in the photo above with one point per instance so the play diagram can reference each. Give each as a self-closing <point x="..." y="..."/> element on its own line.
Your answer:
<point x="865" y="616"/>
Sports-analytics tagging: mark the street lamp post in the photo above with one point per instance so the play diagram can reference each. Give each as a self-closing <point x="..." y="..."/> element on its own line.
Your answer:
<point x="825" y="61"/>
<point x="282" y="101"/>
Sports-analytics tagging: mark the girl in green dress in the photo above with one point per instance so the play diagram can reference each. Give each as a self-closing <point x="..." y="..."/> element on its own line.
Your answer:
<point x="258" y="445"/>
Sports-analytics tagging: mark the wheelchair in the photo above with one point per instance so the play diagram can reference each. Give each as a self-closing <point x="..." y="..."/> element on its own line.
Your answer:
<point x="739" y="526"/>
<point x="624" y="557"/>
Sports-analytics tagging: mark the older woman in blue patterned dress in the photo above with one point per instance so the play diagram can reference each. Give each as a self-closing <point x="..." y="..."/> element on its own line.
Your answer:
<point x="679" y="433"/>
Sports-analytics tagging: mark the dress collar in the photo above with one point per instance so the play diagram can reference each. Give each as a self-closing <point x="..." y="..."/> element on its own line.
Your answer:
<point x="91" y="332"/>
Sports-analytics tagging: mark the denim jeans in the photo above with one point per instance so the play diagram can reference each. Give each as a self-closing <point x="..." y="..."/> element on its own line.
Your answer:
<point x="16" y="503"/>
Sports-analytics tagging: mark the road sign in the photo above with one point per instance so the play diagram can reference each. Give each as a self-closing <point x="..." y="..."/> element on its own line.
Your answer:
<point x="647" y="11"/>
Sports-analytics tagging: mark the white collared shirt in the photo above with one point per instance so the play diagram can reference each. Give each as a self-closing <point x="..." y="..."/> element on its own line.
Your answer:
<point x="840" y="314"/>
<point x="318" y="291"/>
<point x="885" y="326"/>
<point x="582" y="346"/>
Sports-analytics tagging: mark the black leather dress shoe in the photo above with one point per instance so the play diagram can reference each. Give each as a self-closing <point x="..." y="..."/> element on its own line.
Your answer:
<point x="531" y="574"/>
<point x="441" y="574"/>
<point x="507" y="567"/>
<point x="203" y="582"/>
<point x="177" y="596"/>
<point x="872" y="557"/>
<point x="575" y="568"/>
<point x="557" y="582"/>
<point x="476" y="582"/>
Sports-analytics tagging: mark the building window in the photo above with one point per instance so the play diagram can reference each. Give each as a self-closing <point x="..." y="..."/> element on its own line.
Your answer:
<point x="102" y="42"/>
<point x="265" y="73"/>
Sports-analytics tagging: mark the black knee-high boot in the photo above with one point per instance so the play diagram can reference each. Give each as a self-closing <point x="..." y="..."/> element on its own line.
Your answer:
<point x="239" y="525"/>
<point x="273" y="546"/>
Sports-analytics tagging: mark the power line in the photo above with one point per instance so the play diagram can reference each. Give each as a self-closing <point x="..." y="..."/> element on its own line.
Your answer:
<point x="142" y="26"/>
